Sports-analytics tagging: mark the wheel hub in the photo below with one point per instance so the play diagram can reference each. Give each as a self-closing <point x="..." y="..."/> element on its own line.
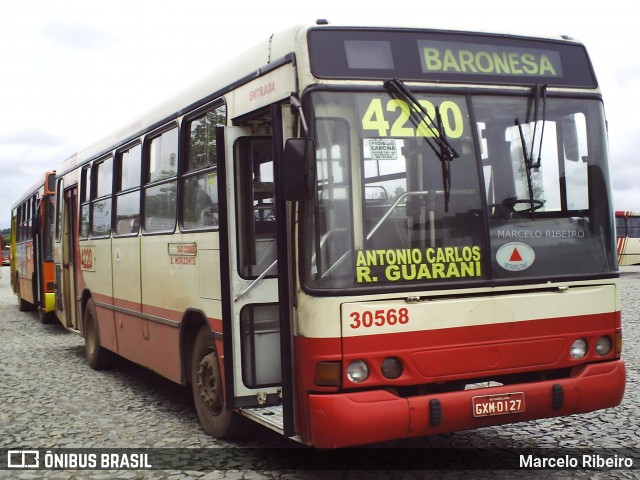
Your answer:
<point x="208" y="383"/>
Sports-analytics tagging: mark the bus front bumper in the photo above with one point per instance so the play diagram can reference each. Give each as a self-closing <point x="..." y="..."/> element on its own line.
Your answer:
<point x="50" y="302"/>
<point x="357" y="418"/>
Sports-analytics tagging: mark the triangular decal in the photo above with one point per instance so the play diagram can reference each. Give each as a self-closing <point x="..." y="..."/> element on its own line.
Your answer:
<point x="515" y="256"/>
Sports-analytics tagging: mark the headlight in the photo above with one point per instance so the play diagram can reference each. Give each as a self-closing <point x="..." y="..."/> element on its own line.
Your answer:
<point x="603" y="346"/>
<point x="357" y="371"/>
<point x="579" y="348"/>
<point x="391" y="368"/>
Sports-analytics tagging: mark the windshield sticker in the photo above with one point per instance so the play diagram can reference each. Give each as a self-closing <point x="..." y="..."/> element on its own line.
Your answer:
<point x="408" y="264"/>
<point x="383" y="149"/>
<point x="515" y="256"/>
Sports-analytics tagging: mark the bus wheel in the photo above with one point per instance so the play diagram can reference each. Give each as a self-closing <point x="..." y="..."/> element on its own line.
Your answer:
<point x="98" y="357"/>
<point x="208" y="395"/>
<point x="45" y="317"/>
<point x="23" y="305"/>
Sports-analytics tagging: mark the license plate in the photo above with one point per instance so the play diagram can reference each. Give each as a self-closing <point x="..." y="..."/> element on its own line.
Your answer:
<point x="503" y="404"/>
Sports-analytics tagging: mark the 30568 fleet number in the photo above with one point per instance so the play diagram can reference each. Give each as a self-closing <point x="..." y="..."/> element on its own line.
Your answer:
<point x="379" y="318"/>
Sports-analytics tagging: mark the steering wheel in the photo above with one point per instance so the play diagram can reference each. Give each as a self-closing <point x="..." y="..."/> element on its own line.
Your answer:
<point x="533" y="204"/>
<point x="507" y="206"/>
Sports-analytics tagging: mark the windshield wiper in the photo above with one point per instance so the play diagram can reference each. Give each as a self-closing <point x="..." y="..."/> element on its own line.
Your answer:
<point x="418" y="114"/>
<point x="527" y="163"/>
<point x="438" y="142"/>
<point x="540" y="91"/>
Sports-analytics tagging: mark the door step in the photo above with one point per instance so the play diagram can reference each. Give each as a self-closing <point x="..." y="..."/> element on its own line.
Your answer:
<point x="270" y="417"/>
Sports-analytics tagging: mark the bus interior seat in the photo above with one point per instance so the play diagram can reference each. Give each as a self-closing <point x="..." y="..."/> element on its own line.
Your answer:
<point x="392" y="233"/>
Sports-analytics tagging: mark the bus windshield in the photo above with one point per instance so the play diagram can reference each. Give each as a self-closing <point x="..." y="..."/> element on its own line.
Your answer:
<point x="524" y="197"/>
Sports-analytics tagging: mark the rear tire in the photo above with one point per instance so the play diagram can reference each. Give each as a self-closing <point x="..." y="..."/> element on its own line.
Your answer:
<point x="98" y="357"/>
<point x="208" y="393"/>
<point x="23" y="305"/>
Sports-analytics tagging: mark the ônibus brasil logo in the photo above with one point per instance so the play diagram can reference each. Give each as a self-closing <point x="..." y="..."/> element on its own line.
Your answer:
<point x="515" y="256"/>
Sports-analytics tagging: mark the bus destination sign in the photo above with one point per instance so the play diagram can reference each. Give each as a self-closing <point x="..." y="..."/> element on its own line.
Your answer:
<point x="446" y="56"/>
<point x="484" y="59"/>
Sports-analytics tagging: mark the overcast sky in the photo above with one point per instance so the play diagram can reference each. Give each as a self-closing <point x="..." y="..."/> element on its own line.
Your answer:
<point x="73" y="71"/>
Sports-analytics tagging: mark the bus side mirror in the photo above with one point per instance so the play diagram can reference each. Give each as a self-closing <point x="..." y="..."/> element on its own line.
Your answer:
<point x="299" y="169"/>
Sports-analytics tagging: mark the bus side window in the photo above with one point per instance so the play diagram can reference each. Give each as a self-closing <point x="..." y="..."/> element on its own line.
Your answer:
<point x="633" y="227"/>
<point x="160" y="190"/>
<point x="127" y="205"/>
<point x="101" y="198"/>
<point x="200" y="175"/>
<point x="59" y="207"/>
<point x="85" y="196"/>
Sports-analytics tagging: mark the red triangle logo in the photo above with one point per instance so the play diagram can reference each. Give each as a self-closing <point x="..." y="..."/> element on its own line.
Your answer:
<point x="515" y="256"/>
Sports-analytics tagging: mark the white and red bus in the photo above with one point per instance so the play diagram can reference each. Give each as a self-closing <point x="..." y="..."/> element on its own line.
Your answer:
<point x="628" y="233"/>
<point x="32" y="268"/>
<point x="6" y="256"/>
<point x="355" y="235"/>
<point x="5" y="253"/>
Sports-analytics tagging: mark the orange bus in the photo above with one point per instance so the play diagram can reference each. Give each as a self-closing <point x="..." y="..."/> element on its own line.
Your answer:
<point x="354" y="235"/>
<point x="32" y="268"/>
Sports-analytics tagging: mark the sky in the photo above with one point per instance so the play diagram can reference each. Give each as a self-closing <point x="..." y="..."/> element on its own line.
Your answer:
<point x="73" y="71"/>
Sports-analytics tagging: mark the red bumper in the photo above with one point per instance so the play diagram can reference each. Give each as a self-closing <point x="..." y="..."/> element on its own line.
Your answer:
<point x="347" y="419"/>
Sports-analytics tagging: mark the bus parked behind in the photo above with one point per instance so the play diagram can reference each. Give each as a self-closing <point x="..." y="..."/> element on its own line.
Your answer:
<point x="628" y="233"/>
<point x="32" y="268"/>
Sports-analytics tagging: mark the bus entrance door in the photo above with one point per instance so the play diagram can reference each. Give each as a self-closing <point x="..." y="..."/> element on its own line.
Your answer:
<point x="64" y="259"/>
<point x="252" y="314"/>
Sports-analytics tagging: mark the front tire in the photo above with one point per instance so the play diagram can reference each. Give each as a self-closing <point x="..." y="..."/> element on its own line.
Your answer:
<point x="45" y="317"/>
<point x="98" y="357"/>
<point x="208" y="393"/>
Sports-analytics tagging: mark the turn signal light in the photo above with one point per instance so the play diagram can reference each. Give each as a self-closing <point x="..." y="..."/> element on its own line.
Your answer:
<point x="618" y="343"/>
<point x="328" y="374"/>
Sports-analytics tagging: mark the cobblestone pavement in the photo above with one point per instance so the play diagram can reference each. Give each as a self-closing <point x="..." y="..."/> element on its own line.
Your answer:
<point x="50" y="398"/>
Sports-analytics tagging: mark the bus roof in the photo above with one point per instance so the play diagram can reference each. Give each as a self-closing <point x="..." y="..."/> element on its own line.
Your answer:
<point x="277" y="50"/>
<point x="33" y="188"/>
<point x="242" y="69"/>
